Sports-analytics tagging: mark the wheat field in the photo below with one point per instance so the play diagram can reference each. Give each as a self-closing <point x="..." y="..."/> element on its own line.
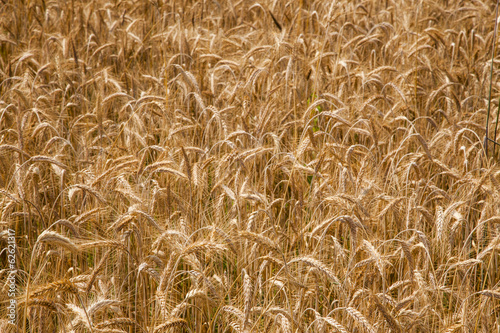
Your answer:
<point x="250" y="166"/>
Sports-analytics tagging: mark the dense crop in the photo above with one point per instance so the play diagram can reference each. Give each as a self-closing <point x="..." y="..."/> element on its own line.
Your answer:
<point x="250" y="166"/>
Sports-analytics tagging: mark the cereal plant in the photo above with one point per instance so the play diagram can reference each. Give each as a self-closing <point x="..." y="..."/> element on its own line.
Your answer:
<point x="249" y="166"/>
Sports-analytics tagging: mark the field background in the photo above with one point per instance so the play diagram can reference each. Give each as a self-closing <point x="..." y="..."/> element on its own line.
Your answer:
<point x="250" y="166"/>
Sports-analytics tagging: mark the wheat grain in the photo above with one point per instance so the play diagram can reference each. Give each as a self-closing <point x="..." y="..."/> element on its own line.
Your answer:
<point x="172" y="323"/>
<point x="52" y="237"/>
<point x="360" y="319"/>
<point x="160" y="137"/>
